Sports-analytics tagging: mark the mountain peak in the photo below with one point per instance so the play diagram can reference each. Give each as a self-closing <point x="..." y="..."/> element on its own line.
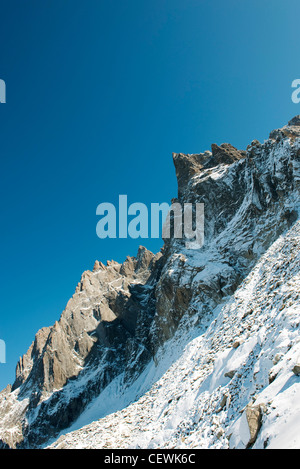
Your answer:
<point x="127" y="323"/>
<point x="295" y="121"/>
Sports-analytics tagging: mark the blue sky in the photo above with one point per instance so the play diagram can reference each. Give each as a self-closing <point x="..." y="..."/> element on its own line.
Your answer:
<point x="99" y="95"/>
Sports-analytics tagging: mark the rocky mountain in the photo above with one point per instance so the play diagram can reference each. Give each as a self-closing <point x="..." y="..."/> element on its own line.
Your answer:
<point x="234" y="384"/>
<point x="186" y="348"/>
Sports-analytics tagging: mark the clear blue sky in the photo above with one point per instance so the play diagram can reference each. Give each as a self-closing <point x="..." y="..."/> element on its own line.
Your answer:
<point x="99" y="95"/>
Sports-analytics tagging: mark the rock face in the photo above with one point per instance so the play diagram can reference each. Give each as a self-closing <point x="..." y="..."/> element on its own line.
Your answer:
<point x="103" y="331"/>
<point x="122" y="315"/>
<point x="295" y="121"/>
<point x="187" y="401"/>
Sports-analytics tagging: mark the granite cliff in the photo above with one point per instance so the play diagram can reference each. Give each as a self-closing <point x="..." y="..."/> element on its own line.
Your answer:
<point x="125" y="320"/>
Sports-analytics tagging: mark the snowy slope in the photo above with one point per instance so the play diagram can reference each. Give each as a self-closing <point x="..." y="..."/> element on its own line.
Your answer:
<point x="241" y="362"/>
<point x="192" y="348"/>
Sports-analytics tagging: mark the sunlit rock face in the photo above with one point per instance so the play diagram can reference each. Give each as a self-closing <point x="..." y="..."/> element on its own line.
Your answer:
<point x="122" y="315"/>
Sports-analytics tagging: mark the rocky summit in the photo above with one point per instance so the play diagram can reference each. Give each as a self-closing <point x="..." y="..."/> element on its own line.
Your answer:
<point x="186" y="348"/>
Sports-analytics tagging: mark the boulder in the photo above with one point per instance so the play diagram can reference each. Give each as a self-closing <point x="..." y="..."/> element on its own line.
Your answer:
<point x="296" y="369"/>
<point x="254" y="416"/>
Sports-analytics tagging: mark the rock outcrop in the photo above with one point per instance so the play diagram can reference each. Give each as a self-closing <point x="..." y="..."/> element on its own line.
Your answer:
<point x="122" y="315"/>
<point x="103" y="331"/>
<point x="193" y="401"/>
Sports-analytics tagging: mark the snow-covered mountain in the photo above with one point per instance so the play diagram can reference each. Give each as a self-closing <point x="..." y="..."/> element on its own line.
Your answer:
<point x="235" y="383"/>
<point x="186" y="348"/>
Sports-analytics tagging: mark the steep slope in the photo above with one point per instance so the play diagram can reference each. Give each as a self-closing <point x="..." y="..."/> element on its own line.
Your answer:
<point x="102" y="332"/>
<point x="123" y="320"/>
<point x="236" y="383"/>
